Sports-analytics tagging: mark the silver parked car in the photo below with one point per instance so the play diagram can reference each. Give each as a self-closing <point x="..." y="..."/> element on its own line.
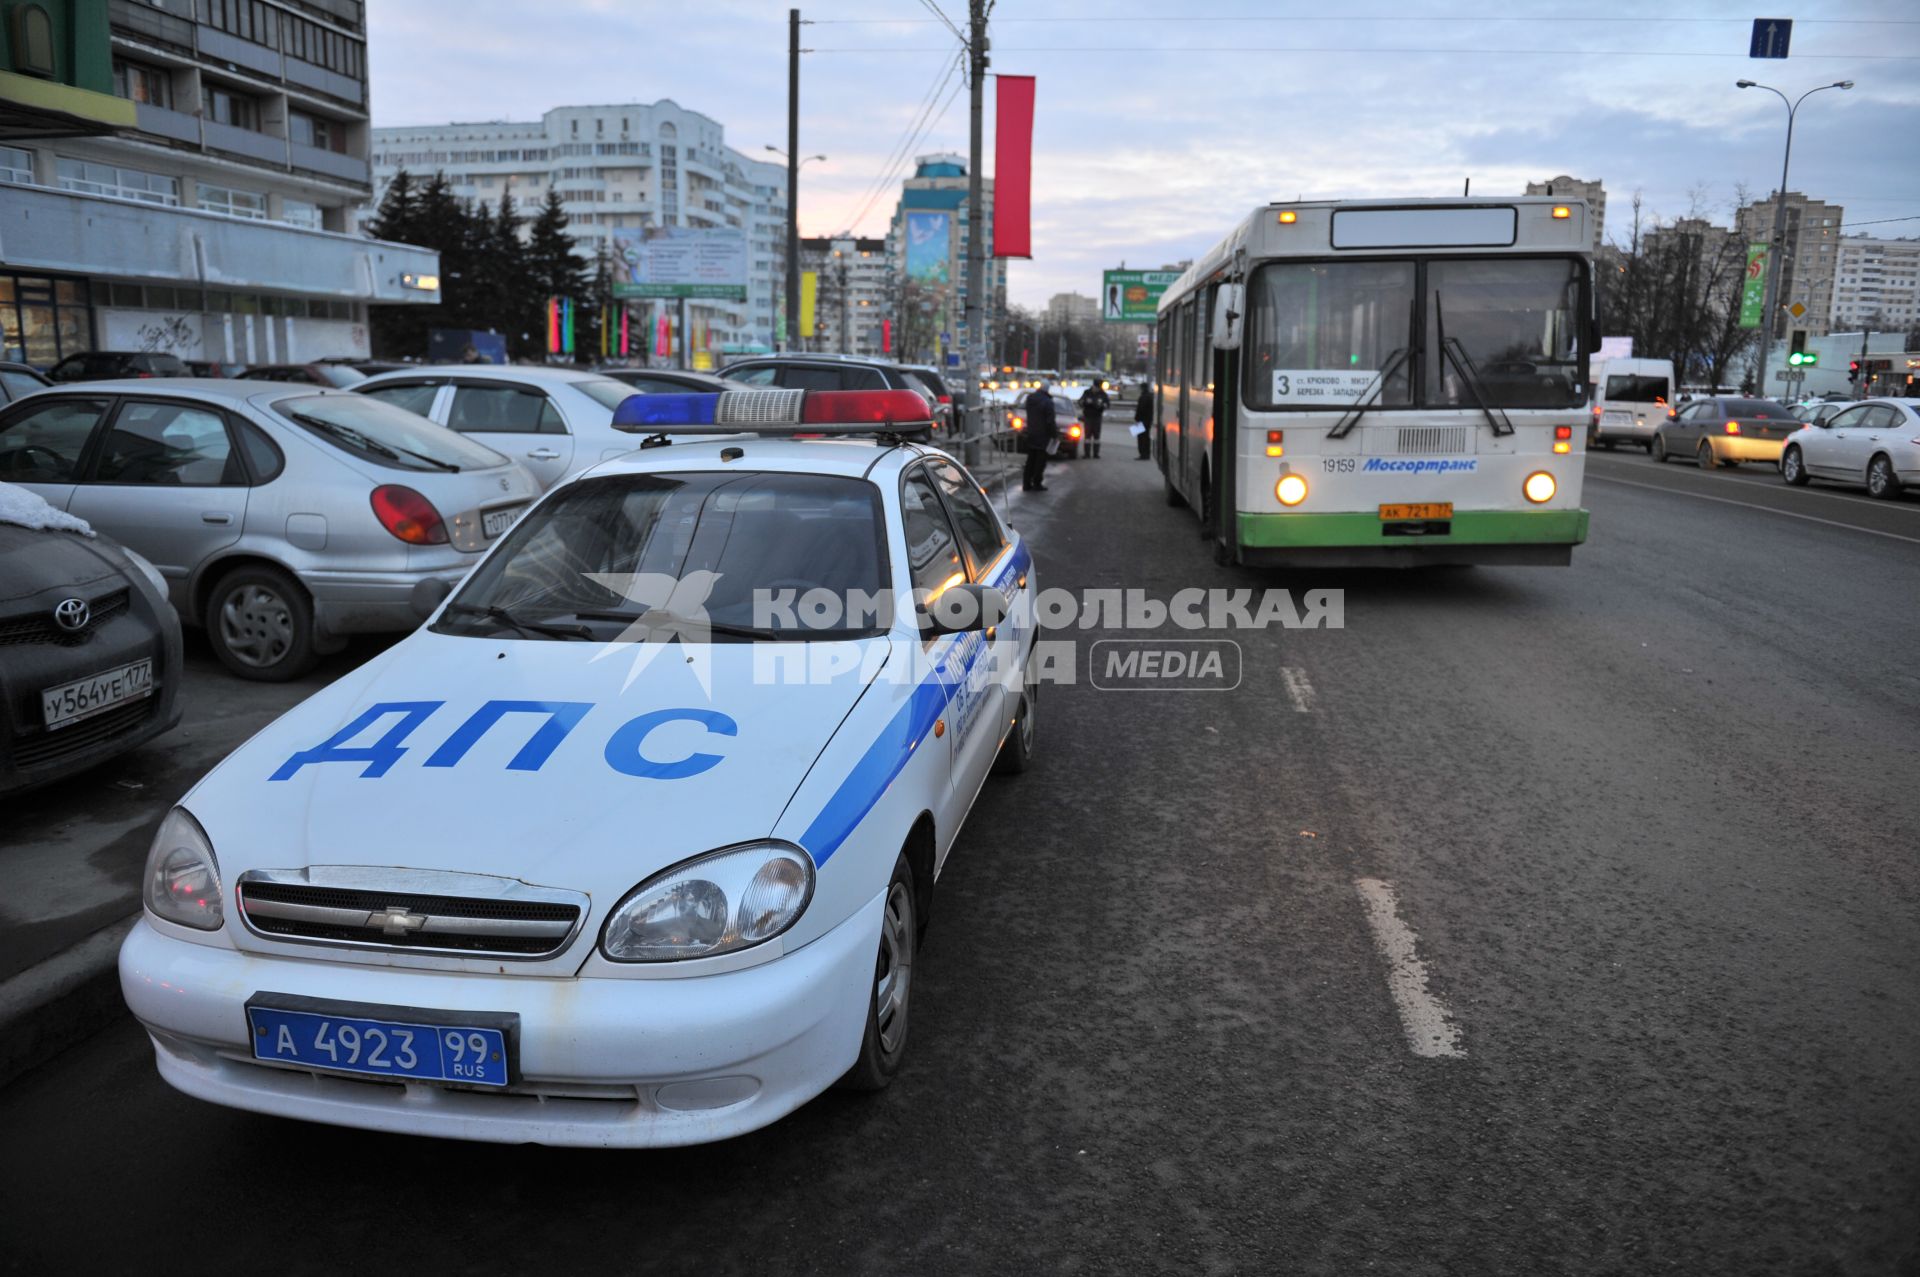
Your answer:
<point x="284" y="517"/>
<point x="554" y="421"/>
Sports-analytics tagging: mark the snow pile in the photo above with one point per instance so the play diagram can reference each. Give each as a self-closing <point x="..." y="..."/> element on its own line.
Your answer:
<point x="25" y="509"/>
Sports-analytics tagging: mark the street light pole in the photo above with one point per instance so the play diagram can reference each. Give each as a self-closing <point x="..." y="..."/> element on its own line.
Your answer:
<point x="976" y="232"/>
<point x="793" y="175"/>
<point x="1776" y="250"/>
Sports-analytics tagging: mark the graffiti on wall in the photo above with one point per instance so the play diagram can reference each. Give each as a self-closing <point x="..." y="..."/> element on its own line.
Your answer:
<point x="169" y="333"/>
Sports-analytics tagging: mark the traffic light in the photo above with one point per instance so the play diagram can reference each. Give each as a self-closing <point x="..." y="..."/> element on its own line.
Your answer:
<point x="1799" y="346"/>
<point x="1804" y="358"/>
<point x="1853" y="370"/>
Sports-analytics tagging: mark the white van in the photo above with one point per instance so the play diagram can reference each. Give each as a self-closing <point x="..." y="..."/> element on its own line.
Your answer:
<point x="1631" y="397"/>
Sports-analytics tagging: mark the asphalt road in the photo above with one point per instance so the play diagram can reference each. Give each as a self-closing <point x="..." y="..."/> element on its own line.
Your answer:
<point x="1646" y="824"/>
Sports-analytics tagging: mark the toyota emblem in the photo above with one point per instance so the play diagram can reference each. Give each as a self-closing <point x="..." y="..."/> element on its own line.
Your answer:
<point x="504" y="485"/>
<point x="72" y="615"/>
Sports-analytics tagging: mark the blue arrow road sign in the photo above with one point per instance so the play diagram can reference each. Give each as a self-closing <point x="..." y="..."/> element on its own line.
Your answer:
<point x="1770" y="37"/>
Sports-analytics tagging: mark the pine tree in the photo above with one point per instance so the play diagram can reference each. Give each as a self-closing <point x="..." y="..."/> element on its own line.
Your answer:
<point x="555" y="268"/>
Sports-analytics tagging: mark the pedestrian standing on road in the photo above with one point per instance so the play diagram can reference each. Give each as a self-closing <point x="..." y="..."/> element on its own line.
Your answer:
<point x="1040" y="437"/>
<point x="1093" y="406"/>
<point x="1143" y="418"/>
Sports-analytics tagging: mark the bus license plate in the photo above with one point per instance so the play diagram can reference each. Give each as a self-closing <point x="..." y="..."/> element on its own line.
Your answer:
<point x="377" y="1046"/>
<point x="71" y="702"/>
<point x="1422" y="510"/>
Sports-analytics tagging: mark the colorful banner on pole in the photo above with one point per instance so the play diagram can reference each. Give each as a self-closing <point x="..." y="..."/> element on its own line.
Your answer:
<point x="1013" y="166"/>
<point x="809" y="300"/>
<point x="1133" y="296"/>
<point x="680" y="261"/>
<point x="1753" y="289"/>
<point x="929" y="247"/>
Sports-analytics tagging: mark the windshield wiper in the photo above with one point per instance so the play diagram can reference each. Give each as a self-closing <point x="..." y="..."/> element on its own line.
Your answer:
<point x="1359" y="407"/>
<point x="353" y="438"/>
<point x="1454" y="353"/>
<point x="506" y="617"/>
<point x="681" y="624"/>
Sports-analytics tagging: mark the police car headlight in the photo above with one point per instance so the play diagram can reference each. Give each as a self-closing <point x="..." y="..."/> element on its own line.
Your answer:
<point x="183" y="878"/>
<point x="725" y="900"/>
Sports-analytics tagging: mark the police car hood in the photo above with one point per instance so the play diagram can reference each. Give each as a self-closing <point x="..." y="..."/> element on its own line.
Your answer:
<point x="587" y="766"/>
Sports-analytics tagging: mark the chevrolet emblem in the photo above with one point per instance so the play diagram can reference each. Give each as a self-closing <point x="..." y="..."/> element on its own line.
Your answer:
<point x="396" y="921"/>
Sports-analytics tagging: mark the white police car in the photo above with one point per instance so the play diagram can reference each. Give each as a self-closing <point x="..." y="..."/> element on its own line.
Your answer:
<point x="631" y="845"/>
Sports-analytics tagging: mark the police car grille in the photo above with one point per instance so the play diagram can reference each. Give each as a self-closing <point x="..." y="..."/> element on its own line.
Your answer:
<point x="759" y="407"/>
<point x="406" y="921"/>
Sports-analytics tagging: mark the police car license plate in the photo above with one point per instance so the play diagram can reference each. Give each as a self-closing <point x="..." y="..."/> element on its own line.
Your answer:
<point x="71" y="702"/>
<point x="1425" y="510"/>
<point x="494" y="522"/>
<point x="391" y="1042"/>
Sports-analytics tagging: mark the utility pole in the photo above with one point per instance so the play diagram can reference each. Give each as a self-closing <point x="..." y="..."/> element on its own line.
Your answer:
<point x="976" y="232"/>
<point x="793" y="176"/>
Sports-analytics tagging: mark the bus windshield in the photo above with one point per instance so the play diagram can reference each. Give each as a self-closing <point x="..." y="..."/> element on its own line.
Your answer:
<point x="1322" y="332"/>
<point x="1512" y="322"/>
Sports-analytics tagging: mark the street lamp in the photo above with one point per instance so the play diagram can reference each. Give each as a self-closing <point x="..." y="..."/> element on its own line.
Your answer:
<point x="1774" y="251"/>
<point x="793" y="236"/>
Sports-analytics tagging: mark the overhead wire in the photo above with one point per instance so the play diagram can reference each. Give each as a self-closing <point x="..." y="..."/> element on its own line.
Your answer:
<point x="903" y="150"/>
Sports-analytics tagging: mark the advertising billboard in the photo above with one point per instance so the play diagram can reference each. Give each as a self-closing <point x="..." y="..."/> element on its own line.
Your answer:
<point x="929" y="241"/>
<point x="680" y="261"/>
<point x="1133" y="296"/>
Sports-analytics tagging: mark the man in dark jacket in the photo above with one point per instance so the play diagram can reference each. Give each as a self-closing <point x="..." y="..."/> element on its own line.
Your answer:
<point x="1093" y="406"/>
<point x="1038" y="437"/>
<point x="1143" y="413"/>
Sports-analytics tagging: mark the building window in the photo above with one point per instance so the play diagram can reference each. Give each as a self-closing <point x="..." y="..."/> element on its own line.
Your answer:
<point x="224" y="106"/>
<point x="301" y="213"/>
<point x="221" y="199"/>
<point x="317" y="131"/>
<point x="92" y="178"/>
<point x="16" y="165"/>
<point x="138" y="83"/>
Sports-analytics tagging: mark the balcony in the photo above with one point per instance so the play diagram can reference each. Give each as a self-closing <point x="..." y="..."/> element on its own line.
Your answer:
<point x="332" y="83"/>
<point x="347" y="168"/>
<point x="97" y="235"/>
<point x="215" y="43"/>
<point x="151" y="22"/>
<point x="161" y="122"/>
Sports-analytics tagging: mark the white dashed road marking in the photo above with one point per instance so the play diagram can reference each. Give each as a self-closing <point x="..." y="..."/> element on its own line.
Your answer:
<point x="1299" y="691"/>
<point x="1429" y="1025"/>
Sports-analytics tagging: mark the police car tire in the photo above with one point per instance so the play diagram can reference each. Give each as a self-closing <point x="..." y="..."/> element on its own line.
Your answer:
<point x="1016" y="751"/>
<point x="301" y="653"/>
<point x="876" y="1064"/>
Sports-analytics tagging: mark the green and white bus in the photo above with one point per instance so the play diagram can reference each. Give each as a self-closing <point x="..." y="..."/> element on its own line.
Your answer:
<point x="1383" y="383"/>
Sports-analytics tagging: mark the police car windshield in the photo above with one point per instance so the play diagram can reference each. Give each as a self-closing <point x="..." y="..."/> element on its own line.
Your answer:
<point x="703" y="557"/>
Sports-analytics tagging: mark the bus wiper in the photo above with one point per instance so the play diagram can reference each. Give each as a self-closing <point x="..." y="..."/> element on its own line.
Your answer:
<point x="506" y="617"/>
<point x="1454" y="353"/>
<point x="1358" y="408"/>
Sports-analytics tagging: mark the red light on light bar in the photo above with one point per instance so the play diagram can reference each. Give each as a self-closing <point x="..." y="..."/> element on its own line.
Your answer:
<point x="863" y="407"/>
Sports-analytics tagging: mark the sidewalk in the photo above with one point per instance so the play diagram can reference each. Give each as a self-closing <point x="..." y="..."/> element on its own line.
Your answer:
<point x="73" y="854"/>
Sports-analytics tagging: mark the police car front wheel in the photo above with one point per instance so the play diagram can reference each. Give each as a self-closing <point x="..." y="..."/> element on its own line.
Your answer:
<point x="1016" y="751"/>
<point x="884" y="1043"/>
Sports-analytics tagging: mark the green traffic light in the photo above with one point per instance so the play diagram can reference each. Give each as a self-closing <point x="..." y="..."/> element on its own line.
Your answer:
<point x="1794" y="359"/>
<point x="1811" y="357"/>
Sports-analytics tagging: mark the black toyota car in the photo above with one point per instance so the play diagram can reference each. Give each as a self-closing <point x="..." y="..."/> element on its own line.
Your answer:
<point x="89" y="650"/>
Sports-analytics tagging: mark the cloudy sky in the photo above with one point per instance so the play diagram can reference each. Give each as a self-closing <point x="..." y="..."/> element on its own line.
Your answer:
<point x="1155" y="133"/>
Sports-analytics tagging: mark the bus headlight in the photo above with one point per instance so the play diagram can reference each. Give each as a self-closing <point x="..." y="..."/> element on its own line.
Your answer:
<point x="1291" y="489"/>
<point x="1539" y="487"/>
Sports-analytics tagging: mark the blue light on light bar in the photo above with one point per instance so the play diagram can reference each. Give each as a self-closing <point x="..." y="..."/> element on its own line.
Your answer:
<point x="665" y="411"/>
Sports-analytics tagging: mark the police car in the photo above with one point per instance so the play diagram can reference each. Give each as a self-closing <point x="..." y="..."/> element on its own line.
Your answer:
<point x="632" y="842"/>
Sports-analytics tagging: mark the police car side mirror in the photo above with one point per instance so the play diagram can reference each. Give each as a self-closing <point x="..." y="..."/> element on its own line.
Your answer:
<point x="428" y="595"/>
<point x="962" y="609"/>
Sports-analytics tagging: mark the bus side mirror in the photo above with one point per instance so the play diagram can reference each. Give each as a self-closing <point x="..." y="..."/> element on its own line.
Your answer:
<point x="1229" y="308"/>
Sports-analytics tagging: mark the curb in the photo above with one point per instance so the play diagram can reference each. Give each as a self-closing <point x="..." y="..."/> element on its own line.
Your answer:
<point x="49" y="1007"/>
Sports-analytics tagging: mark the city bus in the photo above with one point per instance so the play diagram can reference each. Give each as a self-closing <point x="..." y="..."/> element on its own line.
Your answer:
<point x="1383" y="383"/>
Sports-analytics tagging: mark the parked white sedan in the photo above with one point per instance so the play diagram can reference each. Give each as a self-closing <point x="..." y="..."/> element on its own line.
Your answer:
<point x="554" y="421"/>
<point x="634" y="842"/>
<point x="1874" y="444"/>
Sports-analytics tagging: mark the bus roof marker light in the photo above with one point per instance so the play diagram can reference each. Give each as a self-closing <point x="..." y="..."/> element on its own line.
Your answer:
<point x="1288" y="217"/>
<point x="1561" y="212"/>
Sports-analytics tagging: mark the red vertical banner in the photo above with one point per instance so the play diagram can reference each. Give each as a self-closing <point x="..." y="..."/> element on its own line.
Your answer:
<point x="1013" y="166"/>
<point x="886" y="336"/>
<point x="662" y="337"/>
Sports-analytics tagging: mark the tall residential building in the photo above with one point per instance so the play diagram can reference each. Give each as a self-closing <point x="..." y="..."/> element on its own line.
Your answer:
<point x="178" y="176"/>
<point x="1810" y="248"/>
<point x="1067" y="309"/>
<point x="1592" y="192"/>
<point x="618" y="168"/>
<point x="1876" y="279"/>
<point x="854" y="296"/>
<point x="927" y="247"/>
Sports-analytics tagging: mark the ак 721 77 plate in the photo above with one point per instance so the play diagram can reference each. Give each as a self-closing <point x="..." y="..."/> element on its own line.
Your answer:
<point x="374" y="1041"/>
<point x="1420" y="510"/>
<point x="71" y="702"/>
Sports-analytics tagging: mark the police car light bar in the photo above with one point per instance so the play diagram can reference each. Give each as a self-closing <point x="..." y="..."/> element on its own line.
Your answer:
<point x="775" y="412"/>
